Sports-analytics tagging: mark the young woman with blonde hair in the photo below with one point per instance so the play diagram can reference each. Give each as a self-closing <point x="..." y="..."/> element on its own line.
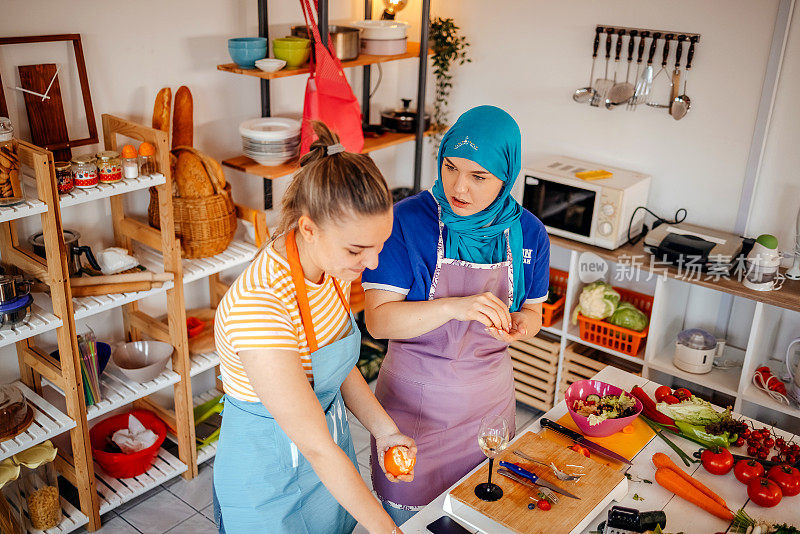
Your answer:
<point x="288" y="347"/>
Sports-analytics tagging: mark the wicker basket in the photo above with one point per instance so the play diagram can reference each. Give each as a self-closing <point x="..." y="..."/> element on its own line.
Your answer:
<point x="206" y="225"/>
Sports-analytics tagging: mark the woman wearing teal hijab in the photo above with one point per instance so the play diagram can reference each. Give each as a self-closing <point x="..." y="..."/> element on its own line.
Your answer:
<point x="463" y="274"/>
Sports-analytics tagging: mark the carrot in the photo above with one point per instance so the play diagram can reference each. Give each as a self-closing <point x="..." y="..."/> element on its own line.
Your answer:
<point x="673" y="482"/>
<point x="661" y="460"/>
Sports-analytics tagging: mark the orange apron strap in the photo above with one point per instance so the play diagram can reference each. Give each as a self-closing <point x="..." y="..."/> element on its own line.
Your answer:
<point x="341" y="296"/>
<point x="300" y="288"/>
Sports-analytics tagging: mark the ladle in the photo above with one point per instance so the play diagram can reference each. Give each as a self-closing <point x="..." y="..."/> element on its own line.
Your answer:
<point x="680" y="104"/>
<point x="584" y="94"/>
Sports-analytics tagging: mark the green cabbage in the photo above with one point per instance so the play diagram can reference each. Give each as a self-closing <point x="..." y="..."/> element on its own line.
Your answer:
<point x="598" y="300"/>
<point x="627" y="316"/>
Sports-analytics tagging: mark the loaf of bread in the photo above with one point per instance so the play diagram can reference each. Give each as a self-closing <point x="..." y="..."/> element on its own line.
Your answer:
<point x="191" y="177"/>
<point x="182" y="121"/>
<point x="161" y="110"/>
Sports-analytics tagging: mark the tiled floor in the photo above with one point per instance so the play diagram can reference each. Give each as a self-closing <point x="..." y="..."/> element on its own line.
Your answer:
<point x="184" y="507"/>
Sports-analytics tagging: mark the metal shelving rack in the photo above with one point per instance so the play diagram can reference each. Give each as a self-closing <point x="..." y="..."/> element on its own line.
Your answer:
<point x="246" y="165"/>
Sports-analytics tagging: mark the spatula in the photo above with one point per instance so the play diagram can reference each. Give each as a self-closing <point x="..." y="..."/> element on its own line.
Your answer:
<point x="646" y="79"/>
<point x="603" y="84"/>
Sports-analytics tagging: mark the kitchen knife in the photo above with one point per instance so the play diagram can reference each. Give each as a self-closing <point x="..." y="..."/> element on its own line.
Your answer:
<point x="521" y="471"/>
<point x="580" y="439"/>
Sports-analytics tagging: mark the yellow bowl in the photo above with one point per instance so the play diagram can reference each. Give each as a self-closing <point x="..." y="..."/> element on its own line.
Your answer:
<point x="294" y="57"/>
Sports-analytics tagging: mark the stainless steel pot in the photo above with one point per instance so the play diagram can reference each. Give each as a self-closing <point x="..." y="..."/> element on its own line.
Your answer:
<point x="403" y="120"/>
<point x="346" y="39"/>
<point x="13" y="286"/>
<point x="74" y="251"/>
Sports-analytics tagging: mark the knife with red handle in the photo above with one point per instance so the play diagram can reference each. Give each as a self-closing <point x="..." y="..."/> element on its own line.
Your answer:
<point x="577" y="437"/>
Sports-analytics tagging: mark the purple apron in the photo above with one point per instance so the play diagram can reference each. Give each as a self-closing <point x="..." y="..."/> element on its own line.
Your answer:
<point x="439" y="385"/>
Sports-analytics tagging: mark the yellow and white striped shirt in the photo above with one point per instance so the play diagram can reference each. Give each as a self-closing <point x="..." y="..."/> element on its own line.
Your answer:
<point x="260" y="311"/>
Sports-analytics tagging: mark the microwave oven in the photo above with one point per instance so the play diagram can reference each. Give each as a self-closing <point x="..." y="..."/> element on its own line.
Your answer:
<point x="596" y="212"/>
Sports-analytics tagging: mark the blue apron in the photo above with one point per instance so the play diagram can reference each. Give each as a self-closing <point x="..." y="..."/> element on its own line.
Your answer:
<point x="261" y="481"/>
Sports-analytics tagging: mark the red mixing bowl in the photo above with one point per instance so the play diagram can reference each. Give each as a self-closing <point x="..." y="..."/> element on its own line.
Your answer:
<point x="120" y="465"/>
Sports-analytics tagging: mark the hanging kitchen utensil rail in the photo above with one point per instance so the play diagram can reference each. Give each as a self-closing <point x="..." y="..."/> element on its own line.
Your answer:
<point x="613" y="93"/>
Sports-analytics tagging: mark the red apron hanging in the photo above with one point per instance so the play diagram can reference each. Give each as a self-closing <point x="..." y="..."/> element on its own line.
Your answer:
<point x="329" y="98"/>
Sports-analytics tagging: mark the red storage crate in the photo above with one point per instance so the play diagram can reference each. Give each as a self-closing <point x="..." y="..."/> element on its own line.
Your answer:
<point x="614" y="337"/>
<point x="551" y="312"/>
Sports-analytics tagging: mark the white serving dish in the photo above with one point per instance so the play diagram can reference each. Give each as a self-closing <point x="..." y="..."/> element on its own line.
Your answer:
<point x="384" y="47"/>
<point x="270" y="128"/>
<point x="269" y="161"/>
<point x="269" y="64"/>
<point x="382" y="30"/>
<point x="142" y="361"/>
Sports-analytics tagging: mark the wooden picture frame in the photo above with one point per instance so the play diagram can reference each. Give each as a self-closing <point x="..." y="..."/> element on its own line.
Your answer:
<point x="77" y="47"/>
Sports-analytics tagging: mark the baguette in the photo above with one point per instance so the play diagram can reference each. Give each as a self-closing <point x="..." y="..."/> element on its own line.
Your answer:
<point x="161" y="110"/>
<point x="182" y="121"/>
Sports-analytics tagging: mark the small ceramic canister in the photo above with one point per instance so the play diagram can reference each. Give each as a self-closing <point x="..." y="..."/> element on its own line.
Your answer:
<point x="84" y="171"/>
<point x="109" y="167"/>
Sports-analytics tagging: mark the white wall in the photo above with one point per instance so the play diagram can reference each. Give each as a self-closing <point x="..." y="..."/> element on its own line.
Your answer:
<point x="527" y="56"/>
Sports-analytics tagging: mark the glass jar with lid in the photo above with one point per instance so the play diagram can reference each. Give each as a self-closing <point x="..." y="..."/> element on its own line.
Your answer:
<point x="64" y="179"/>
<point x="11" y="520"/>
<point x="109" y="167"/>
<point x="10" y="186"/>
<point x="39" y="485"/>
<point x="84" y="171"/>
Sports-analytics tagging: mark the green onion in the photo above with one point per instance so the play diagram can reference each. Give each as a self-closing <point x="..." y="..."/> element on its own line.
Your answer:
<point x="658" y="429"/>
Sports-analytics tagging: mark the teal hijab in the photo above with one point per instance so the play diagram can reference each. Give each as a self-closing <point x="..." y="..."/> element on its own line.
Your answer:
<point x="491" y="138"/>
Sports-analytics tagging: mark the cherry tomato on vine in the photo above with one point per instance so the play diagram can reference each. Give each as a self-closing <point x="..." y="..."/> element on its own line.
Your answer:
<point x="739" y="442"/>
<point x="543" y="504"/>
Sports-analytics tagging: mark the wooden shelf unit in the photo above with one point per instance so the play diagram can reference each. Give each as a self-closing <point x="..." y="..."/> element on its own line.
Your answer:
<point x="363" y="60"/>
<point x="371" y="144"/>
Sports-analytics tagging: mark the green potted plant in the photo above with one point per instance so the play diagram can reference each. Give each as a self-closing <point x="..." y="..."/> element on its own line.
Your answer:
<point x="449" y="48"/>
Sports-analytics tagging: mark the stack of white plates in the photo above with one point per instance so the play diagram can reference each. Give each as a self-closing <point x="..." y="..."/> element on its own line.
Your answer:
<point x="270" y="141"/>
<point x="382" y="37"/>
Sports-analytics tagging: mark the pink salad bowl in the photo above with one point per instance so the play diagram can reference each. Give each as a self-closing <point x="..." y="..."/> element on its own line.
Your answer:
<point x="580" y="390"/>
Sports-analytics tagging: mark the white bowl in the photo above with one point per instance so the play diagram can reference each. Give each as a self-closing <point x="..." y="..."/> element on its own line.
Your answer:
<point x="270" y="128"/>
<point x="142" y="361"/>
<point x="384" y="47"/>
<point x="269" y="64"/>
<point x="382" y="29"/>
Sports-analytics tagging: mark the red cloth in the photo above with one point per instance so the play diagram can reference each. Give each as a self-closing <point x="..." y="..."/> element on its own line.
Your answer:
<point x="329" y="97"/>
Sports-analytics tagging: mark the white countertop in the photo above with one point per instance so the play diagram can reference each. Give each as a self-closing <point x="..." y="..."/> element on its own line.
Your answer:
<point x="681" y="515"/>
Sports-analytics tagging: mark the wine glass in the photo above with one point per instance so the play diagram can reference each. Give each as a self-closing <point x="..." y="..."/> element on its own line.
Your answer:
<point x="492" y="439"/>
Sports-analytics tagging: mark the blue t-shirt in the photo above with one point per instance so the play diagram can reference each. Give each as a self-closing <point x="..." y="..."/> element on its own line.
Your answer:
<point x="408" y="260"/>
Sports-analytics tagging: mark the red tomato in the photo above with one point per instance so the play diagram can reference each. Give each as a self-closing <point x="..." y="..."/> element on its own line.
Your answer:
<point x="683" y="393"/>
<point x="543" y="504"/>
<point x="762" y="455"/>
<point x="764" y="492"/>
<point x="717" y="462"/>
<point x="739" y="442"/>
<point x="748" y="470"/>
<point x="769" y="442"/>
<point x="745" y="433"/>
<point x="581" y="449"/>
<point x="671" y="399"/>
<point x="661" y="392"/>
<point x="752" y="451"/>
<point x="787" y="478"/>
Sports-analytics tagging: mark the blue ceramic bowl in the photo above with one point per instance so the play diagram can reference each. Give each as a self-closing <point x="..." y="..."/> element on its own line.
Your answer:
<point x="246" y="57"/>
<point x="247" y="42"/>
<point x="103" y="355"/>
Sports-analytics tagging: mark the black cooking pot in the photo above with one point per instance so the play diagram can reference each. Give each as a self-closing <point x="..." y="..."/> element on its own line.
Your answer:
<point x="74" y="251"/>
<point x="403" y="120"/>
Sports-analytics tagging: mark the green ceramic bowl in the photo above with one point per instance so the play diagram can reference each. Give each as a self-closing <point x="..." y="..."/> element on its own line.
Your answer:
<point x="291" y="42"/>
<point x="294" y="57"/>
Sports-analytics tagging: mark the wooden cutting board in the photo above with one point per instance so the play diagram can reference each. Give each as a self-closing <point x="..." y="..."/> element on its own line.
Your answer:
<point x="204" y="341"/>
<point x="511" y="510"/>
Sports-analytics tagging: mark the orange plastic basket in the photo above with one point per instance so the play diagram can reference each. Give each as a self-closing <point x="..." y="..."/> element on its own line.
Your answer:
<point x="607" y="335"/>
<point x="550" y="312"/>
